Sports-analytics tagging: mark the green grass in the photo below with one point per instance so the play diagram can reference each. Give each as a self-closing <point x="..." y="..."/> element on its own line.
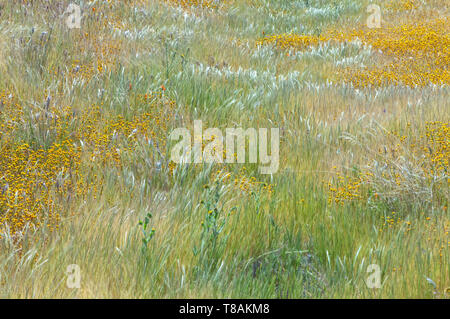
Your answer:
<point x="290" y="243"/>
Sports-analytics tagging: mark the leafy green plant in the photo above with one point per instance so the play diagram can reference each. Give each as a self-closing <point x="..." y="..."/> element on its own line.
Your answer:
<point x="213" y="224"/>
<point x="147" y="232"/>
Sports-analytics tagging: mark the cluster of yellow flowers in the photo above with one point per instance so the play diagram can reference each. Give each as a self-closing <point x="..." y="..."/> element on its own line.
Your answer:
<point x="242" y="182"/>
<point x="292" y="41"/>
<point x="38" y="183"/>
<point x="431" y="150"/>
<point x="412" y="54"/>
<point x="34" y="183"/>
<point x="205" y="4"/>
<point x="402" y="5"/>
<point x="435" y="146"/>
<point x="34" y="180"/>
<point x="344" y="188"/>
<point x="429" y="153"/>
<point x="108" y="138"/>
<point x="392" y="221"/>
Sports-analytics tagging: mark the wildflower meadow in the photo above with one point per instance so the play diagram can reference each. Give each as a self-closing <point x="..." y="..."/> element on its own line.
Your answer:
<point x="224" y="149"/>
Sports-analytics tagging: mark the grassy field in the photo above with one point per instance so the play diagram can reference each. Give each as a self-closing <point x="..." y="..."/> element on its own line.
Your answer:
<point x="86" y="176"/>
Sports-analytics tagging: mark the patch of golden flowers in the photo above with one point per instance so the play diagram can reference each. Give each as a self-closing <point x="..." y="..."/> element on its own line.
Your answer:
<point x="204" y="4"/>
<point x="413" y="54"/>
<point x="35" y="183"/>
<point x="410" y="54"/>
<point x="404" y="168"/>
<point x="38" y="183"/>
<point x="293" y="41"/>
<point x="107" y="138"/>
<point x="402" y="5"/>
<point x="242" y="182"/>
<point x="344" y="188"/>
